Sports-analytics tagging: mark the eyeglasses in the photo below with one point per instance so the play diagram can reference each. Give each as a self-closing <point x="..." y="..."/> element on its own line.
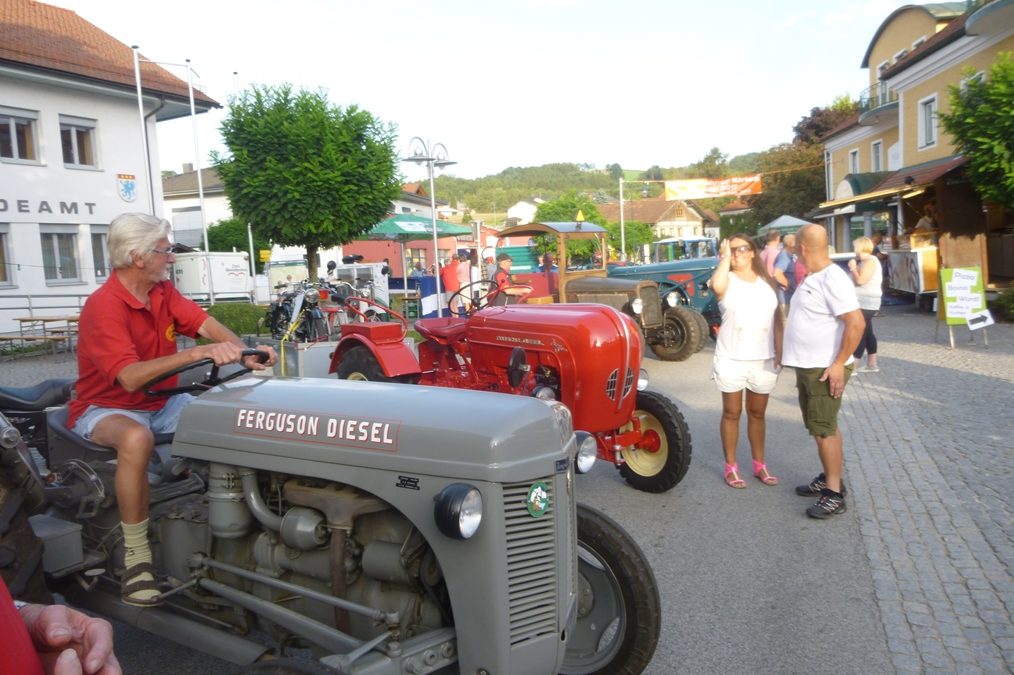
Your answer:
<point x="741" y="249"/>
<point x="164" y="251"/>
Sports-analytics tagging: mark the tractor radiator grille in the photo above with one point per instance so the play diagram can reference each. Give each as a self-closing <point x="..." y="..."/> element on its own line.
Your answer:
<point x="651" y="306"/>
<point x="531" y="564"/>
<point x="611" y="384"/>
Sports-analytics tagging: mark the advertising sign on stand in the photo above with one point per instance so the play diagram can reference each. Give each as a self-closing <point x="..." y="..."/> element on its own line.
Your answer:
<point x="964" y="300"/>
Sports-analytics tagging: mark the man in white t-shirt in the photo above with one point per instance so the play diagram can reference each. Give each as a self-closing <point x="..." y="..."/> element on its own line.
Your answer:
<point x="824" y="327"/>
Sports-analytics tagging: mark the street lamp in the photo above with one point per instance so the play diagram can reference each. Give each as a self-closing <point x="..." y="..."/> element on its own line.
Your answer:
<point x="432" y="155"/>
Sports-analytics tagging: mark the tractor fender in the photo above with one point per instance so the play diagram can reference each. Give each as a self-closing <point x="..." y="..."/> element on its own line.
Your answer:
<point x="395" y="358"/>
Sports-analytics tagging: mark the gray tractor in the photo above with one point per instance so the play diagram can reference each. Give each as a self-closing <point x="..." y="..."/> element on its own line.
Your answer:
<point x="378" y="526"/>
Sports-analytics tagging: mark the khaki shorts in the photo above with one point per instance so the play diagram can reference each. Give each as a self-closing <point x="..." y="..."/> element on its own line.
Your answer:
<point x="820" y="410"/>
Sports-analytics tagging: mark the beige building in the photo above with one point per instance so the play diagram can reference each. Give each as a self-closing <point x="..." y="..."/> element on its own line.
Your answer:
<point x="884" y="166"/>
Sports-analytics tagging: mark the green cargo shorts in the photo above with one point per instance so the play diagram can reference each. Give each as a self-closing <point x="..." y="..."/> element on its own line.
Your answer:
<point x="820" y="411"/>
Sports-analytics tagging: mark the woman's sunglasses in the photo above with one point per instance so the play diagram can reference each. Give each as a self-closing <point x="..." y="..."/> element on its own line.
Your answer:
<point x="741" y="249"/>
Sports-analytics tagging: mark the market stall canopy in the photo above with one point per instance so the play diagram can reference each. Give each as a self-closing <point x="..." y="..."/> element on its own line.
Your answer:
<point x="408" y="227"/>
<point x="784" y="223"/>
<point x="573" y="229"/>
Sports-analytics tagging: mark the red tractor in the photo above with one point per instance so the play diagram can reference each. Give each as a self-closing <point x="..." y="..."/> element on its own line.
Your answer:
<point x="586" y="355"/>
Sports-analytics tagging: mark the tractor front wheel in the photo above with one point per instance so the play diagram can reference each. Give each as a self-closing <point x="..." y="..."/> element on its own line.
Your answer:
<point x="619" y="614"/>
<point x="661" y="459"/>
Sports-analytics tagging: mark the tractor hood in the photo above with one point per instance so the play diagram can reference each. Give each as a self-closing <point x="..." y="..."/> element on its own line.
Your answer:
<point x="288" y="424"/>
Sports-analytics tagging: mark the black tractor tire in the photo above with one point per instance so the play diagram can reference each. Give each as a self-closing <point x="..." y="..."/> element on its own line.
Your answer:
<point x="658" y="469"/>
<point x="687" y="338"/>
<point x="20" y="549"/>
<point x="619" y="610"/>
<point x="359" y="363"/>
<point x="705" y="329"/>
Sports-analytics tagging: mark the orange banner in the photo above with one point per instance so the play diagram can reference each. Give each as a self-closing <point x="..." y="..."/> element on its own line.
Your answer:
<point x="706" y="188"/>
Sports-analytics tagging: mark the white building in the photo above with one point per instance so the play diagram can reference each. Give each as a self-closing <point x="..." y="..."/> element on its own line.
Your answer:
<point x="71" y="153"/>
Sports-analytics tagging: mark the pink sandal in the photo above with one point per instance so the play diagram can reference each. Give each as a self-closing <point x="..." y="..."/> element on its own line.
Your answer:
<point x="761" y="467"/>
<point x="737" y="482"/>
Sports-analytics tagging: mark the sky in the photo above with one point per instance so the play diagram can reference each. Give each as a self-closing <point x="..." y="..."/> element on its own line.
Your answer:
<point x="519" y="82"/>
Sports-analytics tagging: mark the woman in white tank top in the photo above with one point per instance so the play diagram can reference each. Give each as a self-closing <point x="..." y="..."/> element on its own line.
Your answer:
<point x="747" y="351"/>
<point x="867" y="273"/>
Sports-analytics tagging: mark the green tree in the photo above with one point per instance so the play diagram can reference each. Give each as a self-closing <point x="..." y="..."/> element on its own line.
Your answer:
<point x="813" y="127"/>
<point x="615" y="171"/>
<point x="565" y="209"/>
<point x="653" y="173"/>
<point x="306" y="172"/>
<point x="713" y="165"/>
<point x="793" y="181"/>
<point x="230" y="234"/>
<point x="981" y="121"/>
<point x="635" y="234"/>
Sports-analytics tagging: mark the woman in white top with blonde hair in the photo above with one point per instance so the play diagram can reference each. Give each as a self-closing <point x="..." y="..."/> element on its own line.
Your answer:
<point x="867" y="272"/>
<point x="747" y="352"/>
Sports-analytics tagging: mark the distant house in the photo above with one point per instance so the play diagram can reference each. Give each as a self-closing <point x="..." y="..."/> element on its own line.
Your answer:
<point x="182" y="204"/>
<point x="666" y="218"/>
<point x="737" y="216"/>
<point x="72" y="156"/>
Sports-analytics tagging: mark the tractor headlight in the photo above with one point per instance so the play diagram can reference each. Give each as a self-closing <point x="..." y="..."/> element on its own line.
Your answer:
<point x="642" y="380"/>
<point x="673" y="298"/>
<point x="544" y="393"/>
<point x="458" y="510"/>
<point x="637" y="305"/>
<point x="587" y="451"/>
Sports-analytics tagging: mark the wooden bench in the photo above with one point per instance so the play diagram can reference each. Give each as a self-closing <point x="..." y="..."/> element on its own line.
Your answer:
<point x="52" y="339"/>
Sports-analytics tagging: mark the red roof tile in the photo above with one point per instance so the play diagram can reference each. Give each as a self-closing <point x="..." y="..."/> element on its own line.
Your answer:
<point x="48" y="38"/>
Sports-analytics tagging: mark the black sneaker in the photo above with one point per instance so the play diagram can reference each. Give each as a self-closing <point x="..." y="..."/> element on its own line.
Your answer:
<point x="830" y="503"/>
<point x="814" y="487"/>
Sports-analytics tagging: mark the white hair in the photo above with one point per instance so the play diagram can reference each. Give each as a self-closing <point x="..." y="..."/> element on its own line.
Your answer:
<point x="133" y="234"/>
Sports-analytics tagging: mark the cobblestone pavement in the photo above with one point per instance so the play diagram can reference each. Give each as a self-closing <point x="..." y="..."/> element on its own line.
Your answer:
<point x="929" y="464"/>
<point x="929" y="447"/>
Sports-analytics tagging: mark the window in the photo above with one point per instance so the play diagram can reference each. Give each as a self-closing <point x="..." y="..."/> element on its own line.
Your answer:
<point x="877" y="156"/>
<point x="17" y="134"/>
<point x="99" y="259"/>
<point x="77" y="138"/>
<point x="853" y="161"/>
<point x="59" y="253"/>
<point x="6" y="264"/>
<point x="928" y="122"/>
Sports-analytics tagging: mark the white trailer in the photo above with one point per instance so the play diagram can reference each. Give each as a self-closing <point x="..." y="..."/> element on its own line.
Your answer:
<point x="229" y="276"/>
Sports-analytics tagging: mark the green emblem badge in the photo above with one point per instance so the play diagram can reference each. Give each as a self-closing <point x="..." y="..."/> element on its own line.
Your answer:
<point x="537" y="500"/>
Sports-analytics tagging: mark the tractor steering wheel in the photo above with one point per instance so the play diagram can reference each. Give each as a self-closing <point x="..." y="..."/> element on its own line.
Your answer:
<point x="478" y="294"/>
<point x="213" y="380"/>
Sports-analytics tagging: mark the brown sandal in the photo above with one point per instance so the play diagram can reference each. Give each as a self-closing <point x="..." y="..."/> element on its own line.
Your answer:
<point x="127" y="591"/>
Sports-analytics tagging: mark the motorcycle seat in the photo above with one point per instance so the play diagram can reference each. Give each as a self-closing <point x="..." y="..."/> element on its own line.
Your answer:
<point x="443" y="330"/>
<point x="37" y="397"/>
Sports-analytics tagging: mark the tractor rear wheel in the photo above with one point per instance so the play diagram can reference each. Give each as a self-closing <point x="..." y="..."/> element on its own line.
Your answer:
<point x="662" y="458"/>
<point x="360" y="364"/>
<point x="682" y="336"/>
<point x="705" y="329"/>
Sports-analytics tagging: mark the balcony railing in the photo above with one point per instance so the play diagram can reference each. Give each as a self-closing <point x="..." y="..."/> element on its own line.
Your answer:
<point x="876" y="96"/>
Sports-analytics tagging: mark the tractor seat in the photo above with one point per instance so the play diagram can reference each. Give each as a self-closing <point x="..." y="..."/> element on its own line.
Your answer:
<point x="443" y="330"/>
<point x="38" y="397"/>
<point x="163" y="466"/>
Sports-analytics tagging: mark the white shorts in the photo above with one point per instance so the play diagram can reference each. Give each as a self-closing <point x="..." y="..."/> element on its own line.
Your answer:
<point x="731" y="375"/>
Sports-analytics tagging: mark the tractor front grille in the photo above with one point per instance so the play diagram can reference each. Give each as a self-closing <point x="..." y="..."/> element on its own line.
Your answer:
<point x="613" y="380"/>
<point x="651" y="305"/>
<point x="531" y="564"/>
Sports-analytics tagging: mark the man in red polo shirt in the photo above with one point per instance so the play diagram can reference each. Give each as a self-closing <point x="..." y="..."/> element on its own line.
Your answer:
<point x="128" y="332"/>
<point x="449" y="280"/>
<point x="41" y="639"/>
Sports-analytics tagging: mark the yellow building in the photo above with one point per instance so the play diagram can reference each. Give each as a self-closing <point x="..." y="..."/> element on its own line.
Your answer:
<point x="886" y="164"/>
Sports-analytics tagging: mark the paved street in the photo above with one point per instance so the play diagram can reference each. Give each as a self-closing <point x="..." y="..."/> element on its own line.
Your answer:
<point x="915" y="577"/>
